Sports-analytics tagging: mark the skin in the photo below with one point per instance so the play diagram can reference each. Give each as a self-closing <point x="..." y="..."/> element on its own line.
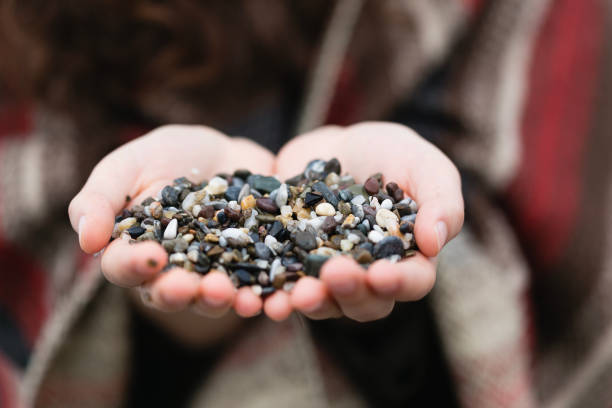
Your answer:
<point x="142" y="167"/>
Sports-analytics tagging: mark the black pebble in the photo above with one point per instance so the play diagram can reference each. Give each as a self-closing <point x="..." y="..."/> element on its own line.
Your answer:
<point x="333" y="165"/>
<point x="329" y="196"/>
<point x="244" y="278"/>
<point x="170" y="197"/>
<point x="388" y="246"/>
<point x="136" y="231"/>
<point x="221" y="217"/>
<point x="368" y="246"/>
<point x="231" y="194"/>
<point x="275" y="229"/>
<point x="312" y="199"/>
<point x="345" y="195"/>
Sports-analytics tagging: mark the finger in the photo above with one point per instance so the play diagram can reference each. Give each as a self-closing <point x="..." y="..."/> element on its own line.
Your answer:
<point x="216" y="295"/>
<point x="346" y="281"/>
<point x="247" y="303"/>
<point x="311" y="297"/>
<point x="384" y="278"/>
<point x="173" y="290"/>
<point x="278" y="306"/>
<point x="129" y="265"/>
<point x="417" y="276"/>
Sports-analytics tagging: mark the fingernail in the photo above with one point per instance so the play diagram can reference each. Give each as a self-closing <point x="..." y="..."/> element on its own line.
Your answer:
<point x="344" y="287"/>
<point x="80" y="229"/>
<point x="441" y="234"/>
<point x="215" y="303"/>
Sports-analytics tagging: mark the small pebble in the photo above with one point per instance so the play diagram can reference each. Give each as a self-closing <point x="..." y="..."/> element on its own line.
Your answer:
<point x="325" y="209"/>
<point x="171" y="229"/>
<point x="266" y="234"/>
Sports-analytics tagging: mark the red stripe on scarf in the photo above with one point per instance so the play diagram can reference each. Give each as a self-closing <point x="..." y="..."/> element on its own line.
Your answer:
<point x="545" y="195"/>
<point x="8" y="384"/>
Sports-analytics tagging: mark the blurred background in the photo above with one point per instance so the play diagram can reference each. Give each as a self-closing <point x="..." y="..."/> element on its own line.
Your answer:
<point x="516" y="93"/>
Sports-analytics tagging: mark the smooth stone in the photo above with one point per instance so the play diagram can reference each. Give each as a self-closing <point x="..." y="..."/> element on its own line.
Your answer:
<point x="170" y="196"/>
<point x="406" y="227"/>
<point x="346" y="245"/>
<point x="136" y="231"/>
<point x="329" y="225"/>
<point x="358" y="200"/>
<point x="315" y="169"/>
<point x="313" y="264"/>
<point x="363" y="256"/>
<point x="244" y="277"/>
<point x="232" y="193"/>
<point x="345" y="195"/>
<point x="305" y="240"/>
<point x="177" y="258"/>
<point x="262" y="251"/>
<point x="344" y="208"/>
<point x="263" y="278"/>
<point x="267" y="184"/>
<point x="386" y="204"/>
<point x="275" y="229"/>
<point x="329" y="195"/>
<point x="333" y="166"/>
<point x="171" y="230"/>
<point x="354" y="238"/>
<point x="216" y="185"/>
<point x="388" y="246"/>
<point x="386" y="218"/>
<point x="325" y="209"/>
<point x="375" y="236"/>
<point x="312" y="198"/>
<point x="282" y="195"/>
<point x="126" y="224"/>
<point x="371" y="186"/>
<point x="244" y="192"/>
<point x="237" y="236"/>
<point x="267" y="204"/>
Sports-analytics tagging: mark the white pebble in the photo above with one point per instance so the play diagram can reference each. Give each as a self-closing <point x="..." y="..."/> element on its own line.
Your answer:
<point x="234" y="205"/>
<point x="394" y="258"/>
<point x="377" y="228"/>
<point x="384" y="218"/>
<point x="188" y="237"/>
<point x="256" y="290"/>
<point x="216" y="185"/>
<point x="325" y="251"/>
<point x="375" y="236"/>
<point x="177" y="258"/>
<point x="251" y="222"/>
<point x="286" y="211"/>
<point x="170" y="231"/>
<point x="338" y="217"/>
<point x="237" y="235"/>
<point x="325" y="209"/>
<point x="282" y="195"/>
<point x="276" y="268"/>
<point x="354" y="238"/>
<point x="193" y="255"/>
<point x="346" y="245"/>
<point x="386" y="204"/>
<point x="358" y="200"/>
<point x="196" y="210"/>
<point x="262" y="263"/>
<point x="270" y="241"/>
<point x="316" y="222"/>
<point x="223" y="241"/>
<point x="374" y="202"/>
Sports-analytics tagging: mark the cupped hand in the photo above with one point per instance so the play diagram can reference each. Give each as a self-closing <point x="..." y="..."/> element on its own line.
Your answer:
<point x="424" y="173"/>
<point x="140" y="169"/>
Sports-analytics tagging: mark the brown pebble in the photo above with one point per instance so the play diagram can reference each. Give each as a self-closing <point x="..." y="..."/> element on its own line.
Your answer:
<point x="232" y="214"/>
<point x="371" y="186"/>
<point x="214" y="251"/>
<point x="329" y="224"/>
<point x="208" y="211"/>
<point x="363" y="256"/>
<point x="267" y="204"/>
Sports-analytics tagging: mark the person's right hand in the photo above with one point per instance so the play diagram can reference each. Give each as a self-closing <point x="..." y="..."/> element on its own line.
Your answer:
<point x="140" y="169"/>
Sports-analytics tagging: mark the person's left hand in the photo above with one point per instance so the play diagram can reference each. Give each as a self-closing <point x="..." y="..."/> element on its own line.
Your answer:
<point x="423" y="172"/>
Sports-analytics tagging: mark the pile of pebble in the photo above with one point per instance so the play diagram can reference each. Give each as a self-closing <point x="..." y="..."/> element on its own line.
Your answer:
<point x="268" y="234"/>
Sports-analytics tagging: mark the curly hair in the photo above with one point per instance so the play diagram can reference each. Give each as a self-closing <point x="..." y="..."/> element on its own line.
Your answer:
<point x="113" y="56"/>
